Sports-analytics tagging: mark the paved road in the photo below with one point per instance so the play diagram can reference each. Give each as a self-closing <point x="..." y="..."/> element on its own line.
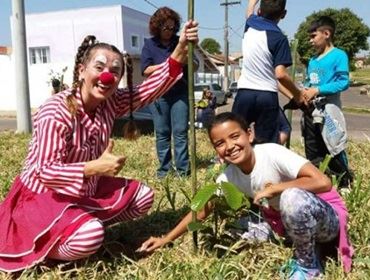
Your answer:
<point x="358" y="125"/>
<point x="8" y="124"/>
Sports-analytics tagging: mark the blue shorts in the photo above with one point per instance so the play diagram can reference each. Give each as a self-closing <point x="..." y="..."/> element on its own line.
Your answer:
<point x="284" y="125"/>
<point x="262" y="108"/>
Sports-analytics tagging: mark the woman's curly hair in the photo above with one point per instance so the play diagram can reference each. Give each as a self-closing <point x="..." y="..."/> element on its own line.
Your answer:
<point x="159" y="18"/>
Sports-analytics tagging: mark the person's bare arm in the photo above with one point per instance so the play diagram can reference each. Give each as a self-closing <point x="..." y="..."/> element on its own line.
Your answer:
<point x="309" y="178"/>
<point x="150" y="69"/>
<point x="251" y="7"/>
<point x="285" y="91"/>
<point x="154" y="243"/>
<point x="286" y="81"/>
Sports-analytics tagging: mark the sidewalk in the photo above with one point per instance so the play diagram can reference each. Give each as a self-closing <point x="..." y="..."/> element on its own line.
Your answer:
<point x="351" y="98"/>
<point x="7" y="114"/>
<point x="12" y="114"/>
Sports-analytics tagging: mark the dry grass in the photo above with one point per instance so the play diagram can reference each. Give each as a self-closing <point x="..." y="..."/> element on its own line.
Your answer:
<point x="180" y="261"/>
<point x="361" y="76"/>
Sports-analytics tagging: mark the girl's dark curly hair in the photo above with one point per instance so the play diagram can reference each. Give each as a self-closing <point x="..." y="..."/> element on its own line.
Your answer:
<point x="159" y="18"/>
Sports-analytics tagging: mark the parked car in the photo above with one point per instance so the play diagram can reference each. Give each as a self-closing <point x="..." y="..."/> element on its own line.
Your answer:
<point x="216" y="90"/>
<point x="233" y="89"/>
<point x="143" y="119"/>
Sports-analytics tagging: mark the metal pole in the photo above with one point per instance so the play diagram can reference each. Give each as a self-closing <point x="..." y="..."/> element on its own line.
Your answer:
<point x="292" y="73"/>
<point x="226" y="47"/>
<point x="226" y="43"/>
<point x="192" y="120"/>
<point x="20" y="66"/>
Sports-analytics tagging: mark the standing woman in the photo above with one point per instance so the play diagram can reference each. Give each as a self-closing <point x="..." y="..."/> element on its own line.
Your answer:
<point x="171" y="111"/>
<point x="67" y="192"/>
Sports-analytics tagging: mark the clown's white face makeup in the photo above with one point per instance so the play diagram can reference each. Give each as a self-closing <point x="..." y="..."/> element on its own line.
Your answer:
<point x="102" y="61"/>
<point x="101" y="58"/>
<point x="93" y="90"/>
<point x="116" y="63"/>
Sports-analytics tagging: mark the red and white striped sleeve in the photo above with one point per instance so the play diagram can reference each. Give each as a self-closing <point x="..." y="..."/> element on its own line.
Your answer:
<point x="156" y="85"/>
<point x="51" y="170"/>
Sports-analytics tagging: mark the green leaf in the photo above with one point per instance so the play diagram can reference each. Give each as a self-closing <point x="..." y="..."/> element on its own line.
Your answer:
<point x="202" y="197"/>
<point x="213" y="171"/>
<point x="185" y="194"/>
<point x="195" y="226"/>
<point x="246" y="202"/>
<point x="233" y="196"/>
<point x="325" y="163"/>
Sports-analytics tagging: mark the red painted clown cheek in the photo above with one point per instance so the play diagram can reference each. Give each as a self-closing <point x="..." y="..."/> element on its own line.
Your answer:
<point x="106" y="78"/>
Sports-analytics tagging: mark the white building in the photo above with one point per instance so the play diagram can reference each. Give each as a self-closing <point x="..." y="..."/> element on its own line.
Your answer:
<point x="53" y="39"/>
<point x="60" y="33"/>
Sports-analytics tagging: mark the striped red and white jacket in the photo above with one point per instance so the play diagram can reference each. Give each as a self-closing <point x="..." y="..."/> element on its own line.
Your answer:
<point x="61" y="143"/>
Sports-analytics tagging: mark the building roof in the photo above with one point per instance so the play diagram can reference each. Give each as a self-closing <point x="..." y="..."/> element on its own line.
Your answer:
<point x="209" y="65"/>
<point x="5" y="50"/>
<point x="219" y="59"/>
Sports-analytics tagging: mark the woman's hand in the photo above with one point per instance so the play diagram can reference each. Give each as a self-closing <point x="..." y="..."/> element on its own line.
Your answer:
<point x="152" y="244"/>
<point x="106" y="165"/>
<point x="189" y="33"/>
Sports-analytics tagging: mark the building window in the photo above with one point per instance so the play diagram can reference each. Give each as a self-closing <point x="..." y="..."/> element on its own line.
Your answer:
<point x="135" y="41"/>
<point x="39" y="55"/>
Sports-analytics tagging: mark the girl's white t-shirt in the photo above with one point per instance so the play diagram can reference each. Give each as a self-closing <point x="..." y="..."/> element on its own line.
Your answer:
<point x="274" y="164"/>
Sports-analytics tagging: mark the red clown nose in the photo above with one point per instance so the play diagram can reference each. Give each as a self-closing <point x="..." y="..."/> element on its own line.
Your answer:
<point x="106" y="78"/>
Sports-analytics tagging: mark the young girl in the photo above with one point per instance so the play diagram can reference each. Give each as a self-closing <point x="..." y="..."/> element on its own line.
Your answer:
<point x="302" y="203"/>
<point x="67" y="193"/>
<point x="206" y="108"/>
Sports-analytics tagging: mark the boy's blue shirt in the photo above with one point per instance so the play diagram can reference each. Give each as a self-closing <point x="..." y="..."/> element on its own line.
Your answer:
<point x="329" y="73"/>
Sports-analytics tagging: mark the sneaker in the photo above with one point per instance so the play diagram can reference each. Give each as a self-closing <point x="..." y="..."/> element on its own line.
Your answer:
<point x="293" y="271"/>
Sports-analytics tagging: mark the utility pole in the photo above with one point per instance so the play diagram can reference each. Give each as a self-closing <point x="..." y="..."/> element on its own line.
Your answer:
<point x="20" y="65"/>
<point x="226" y="42"/>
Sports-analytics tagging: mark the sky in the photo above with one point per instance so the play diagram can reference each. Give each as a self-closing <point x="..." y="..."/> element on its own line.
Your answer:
<point x="209" y="13"/>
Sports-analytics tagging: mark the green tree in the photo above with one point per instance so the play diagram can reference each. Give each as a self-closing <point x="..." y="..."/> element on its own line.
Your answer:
<point x="211" y="46"/>
<point x="351" y="33"/>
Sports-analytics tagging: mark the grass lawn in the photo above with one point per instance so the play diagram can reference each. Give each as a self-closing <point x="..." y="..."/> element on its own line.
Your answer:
<point x="117" y="260"/>
<point x="361" y="76"/>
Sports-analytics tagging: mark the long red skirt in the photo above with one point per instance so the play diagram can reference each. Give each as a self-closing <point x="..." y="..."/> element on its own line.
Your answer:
<point x="31" y="224"/>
